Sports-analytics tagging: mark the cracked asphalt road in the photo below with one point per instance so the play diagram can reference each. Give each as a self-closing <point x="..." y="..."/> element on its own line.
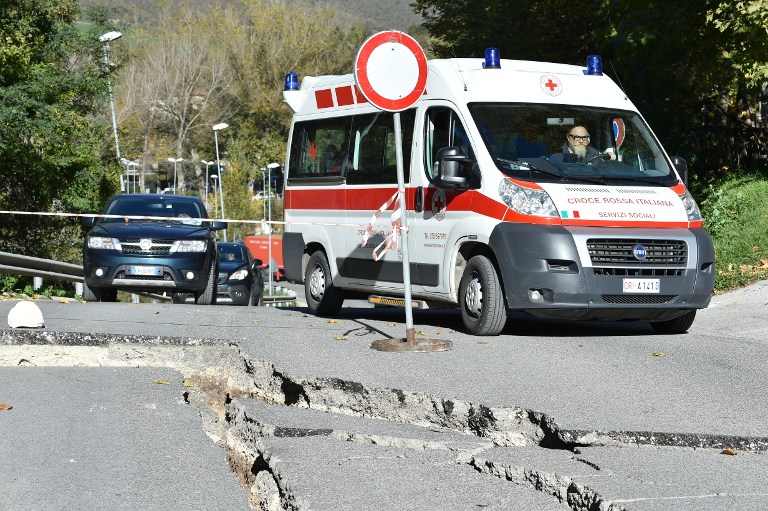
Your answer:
<point x="549" y="415"/>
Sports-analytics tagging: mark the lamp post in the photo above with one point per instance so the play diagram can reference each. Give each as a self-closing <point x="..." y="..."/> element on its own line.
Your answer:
<point x="216" y="129"/>
<point x="269" y="251"/>
<point x="174" y="161"/>
<point x="264" y="193"/>
<point x="106" y="39"/>
<point x="214" y="177"/>
<point x="207" y="165"/>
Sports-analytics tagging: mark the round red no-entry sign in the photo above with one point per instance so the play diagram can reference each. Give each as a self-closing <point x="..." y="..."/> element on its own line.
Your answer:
<point x="391" y="70"/>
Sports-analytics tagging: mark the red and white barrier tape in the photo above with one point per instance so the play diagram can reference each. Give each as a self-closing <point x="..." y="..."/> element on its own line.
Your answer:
<point x="390" y="241"/>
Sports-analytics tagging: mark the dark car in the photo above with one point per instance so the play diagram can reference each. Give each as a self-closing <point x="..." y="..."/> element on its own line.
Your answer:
<point x="240" y="275"/>
<point x="174" y="251"/>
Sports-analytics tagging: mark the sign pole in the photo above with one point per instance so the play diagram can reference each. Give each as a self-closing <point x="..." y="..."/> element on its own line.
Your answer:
<point x="410" y="335"/>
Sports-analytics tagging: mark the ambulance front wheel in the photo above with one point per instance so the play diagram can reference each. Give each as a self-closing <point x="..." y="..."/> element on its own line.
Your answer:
<point x="481" y="298"/>
<point x="323" y="298"/>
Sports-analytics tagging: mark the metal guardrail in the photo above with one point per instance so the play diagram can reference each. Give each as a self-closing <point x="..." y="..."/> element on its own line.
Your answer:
<point x="15" y="264"/>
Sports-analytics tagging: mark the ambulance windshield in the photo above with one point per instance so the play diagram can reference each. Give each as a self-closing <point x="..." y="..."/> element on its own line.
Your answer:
<point x="566" y="142"/>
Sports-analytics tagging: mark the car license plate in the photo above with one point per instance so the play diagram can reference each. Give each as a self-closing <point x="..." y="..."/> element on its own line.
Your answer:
<point x="145" y="270"/>
<point x="642" y="285"/>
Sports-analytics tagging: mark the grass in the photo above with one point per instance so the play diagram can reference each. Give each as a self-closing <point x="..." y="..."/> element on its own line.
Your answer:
<point x="736" y="215"/>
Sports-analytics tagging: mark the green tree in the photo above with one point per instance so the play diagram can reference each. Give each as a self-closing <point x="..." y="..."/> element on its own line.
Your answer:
<point x="50" y="86"/>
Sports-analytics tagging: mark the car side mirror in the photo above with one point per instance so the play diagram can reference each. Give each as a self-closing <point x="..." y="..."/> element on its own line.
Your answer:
<point x="257" y="263"/>
<point x="88" y="221"/>
<point x="681" y="166"/>
<point x="452" y="169"/>
<point x="218" y="225"/>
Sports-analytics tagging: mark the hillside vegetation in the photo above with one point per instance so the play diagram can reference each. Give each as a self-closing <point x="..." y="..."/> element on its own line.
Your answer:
<point x="373" y="15"/>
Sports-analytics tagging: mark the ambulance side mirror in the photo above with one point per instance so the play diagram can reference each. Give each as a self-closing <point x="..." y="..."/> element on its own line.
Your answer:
<point x="681" y="166"/>
<point x="452" y="169"/>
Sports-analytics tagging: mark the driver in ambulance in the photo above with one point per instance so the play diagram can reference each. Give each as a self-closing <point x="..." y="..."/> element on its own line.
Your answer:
<point x="576" y="148"/>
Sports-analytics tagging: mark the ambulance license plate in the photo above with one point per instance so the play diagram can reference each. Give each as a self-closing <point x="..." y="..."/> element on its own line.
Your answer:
<point x="642" y="285"/>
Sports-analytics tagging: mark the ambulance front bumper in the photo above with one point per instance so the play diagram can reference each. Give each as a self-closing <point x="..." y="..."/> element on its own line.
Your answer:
<point x="593" y="273"/>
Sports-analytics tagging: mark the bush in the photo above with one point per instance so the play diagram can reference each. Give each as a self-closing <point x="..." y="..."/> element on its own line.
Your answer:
<point x="736" y="215"/>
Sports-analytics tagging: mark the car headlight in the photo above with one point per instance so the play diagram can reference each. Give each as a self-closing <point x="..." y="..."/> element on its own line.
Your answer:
<point x="101" y="242"/>
<point x="527" y="201"/>
<point x="190" y="246"/>
<point x="691" y="208"/>
<point x="239" y="275"/>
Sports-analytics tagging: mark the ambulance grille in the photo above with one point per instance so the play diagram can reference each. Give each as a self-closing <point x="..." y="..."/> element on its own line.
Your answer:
<point x="621" y="251"/>
<point x="639" y="299"/>
<point x="639" y="272"/>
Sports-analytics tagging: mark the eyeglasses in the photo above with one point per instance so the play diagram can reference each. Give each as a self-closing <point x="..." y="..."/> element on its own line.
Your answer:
<point x="579" y="138"/>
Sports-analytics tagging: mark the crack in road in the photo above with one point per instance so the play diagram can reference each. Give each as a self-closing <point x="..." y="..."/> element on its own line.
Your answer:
<point x="227" y="385"/>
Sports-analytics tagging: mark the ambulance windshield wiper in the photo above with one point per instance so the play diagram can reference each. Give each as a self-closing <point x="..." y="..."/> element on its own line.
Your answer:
<point x="524" y="165"/>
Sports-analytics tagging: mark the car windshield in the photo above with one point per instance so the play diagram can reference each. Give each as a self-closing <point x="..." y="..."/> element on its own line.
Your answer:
<point x="231" y="253"/>
<point x="185" y="212"/>
<point x="529" y="142"/>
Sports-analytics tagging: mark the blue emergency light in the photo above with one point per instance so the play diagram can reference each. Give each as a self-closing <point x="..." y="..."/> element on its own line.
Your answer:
<point x="492" y="59"/>
<point x="291" y="81"/>
<point x="594" y="65"/>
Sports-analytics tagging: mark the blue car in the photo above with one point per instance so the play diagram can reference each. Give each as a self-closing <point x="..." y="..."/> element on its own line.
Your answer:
<point x="151" y="243"/>
<point x="241" y="277"/>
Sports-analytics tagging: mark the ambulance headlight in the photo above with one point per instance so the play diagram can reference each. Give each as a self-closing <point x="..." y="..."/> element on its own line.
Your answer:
<point x="527" y="201"/>
<point x="691" y="208"/>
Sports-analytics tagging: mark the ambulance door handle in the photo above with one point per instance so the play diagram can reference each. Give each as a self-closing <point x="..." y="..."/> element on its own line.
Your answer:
<point x="419" y="206"/>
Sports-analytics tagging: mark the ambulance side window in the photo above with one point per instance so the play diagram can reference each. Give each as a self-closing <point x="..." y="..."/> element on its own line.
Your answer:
<point x="443" y="128"/>
<point x="318" y="148"/>
<point x="372" y="152"/>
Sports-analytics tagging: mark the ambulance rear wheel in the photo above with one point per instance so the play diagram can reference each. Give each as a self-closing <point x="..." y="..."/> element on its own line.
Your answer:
<point x="481" y="298"/>
<point x="323" y="298"/>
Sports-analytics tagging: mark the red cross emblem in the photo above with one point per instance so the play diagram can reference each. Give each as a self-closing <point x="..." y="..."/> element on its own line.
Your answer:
<point x="551" y="85"/>
<point x="439" y="203"/>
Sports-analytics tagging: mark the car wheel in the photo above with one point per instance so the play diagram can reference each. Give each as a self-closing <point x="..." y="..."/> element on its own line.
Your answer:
<point x="89" y="295"/>
<point x="99" y="294"/>
<point x="108" y="295"/>
<point x="678" y="325"/>
<point x="179" y="297"/>
<point x="323" y="298"/>
<point x="257" y="296"/>
<point x="208" y="295"/>
<point x="481" y="300"/>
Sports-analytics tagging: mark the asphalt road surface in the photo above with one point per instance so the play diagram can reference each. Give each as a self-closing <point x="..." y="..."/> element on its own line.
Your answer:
<point x="114" y="405"/>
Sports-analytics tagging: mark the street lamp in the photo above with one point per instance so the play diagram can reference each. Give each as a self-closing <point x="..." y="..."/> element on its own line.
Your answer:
<point x="174" y="161"/>
<point x="214" y="177"/>
<point x="106" y="39"/>
<point x="270" y="166"/>
<point x="216" y="129"/>
<point x="207" y="164"/>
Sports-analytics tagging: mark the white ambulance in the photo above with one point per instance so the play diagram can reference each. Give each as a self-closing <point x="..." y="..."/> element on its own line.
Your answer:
<point x="501" y="215"/>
